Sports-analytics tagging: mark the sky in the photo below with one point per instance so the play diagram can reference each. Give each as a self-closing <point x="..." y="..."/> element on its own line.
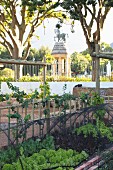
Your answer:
<point x="75" y="41"/>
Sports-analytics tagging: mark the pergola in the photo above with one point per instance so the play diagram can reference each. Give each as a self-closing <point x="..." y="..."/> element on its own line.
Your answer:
<point x="98" y="54"/>
<point x="25" y="62"/>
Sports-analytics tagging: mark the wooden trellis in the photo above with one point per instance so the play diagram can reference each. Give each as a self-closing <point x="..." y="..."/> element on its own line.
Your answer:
<point x="98" y="55"/>
<point x="25" y="62"/>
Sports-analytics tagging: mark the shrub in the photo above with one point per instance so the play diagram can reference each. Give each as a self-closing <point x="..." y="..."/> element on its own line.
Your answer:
<point x="64" y="78"/>
<point x="104" y="78"/>
<point x="86" y="79"/>
<point x="7" y="72"/>
<point x="50" y="78"/>
<point x="29" y="78"/>
<point x="9" y="76"/>
<point x="4" y="79"/>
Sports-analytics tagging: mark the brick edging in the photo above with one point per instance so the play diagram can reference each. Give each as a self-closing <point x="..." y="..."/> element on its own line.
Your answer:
<point x="90" y="163"/>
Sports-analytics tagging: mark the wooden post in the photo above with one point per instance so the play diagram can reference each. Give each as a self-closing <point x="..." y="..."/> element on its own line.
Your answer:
<point x="17" y="127"/>
<point x="48" y="117"/>
<point x="75" y="105"/>
<point x="97" y="69"/>
<point x="32" y="112"/>
<point x="9" y="127"/>
<point x="44" y="71"/>
<point x="44" y="76"/>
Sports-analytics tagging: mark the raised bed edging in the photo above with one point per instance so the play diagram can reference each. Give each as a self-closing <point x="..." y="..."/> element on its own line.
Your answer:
<point x="103" y="91"/>
<point x="91" y="164"/>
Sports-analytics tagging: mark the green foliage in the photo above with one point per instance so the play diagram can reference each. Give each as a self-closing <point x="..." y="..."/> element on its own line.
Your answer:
<point x="35" y="78"/>
<point x="76" y="12"/>
<point x="64" y="79"/>
<point x="84" y="79"/>
<point x="87" y="130"/>
<point x="32" y="14"/>
<point x="85" y="98"/>
<point x="63" y="101"/>
<point x="7" y="156"/>
<point x="29" y="147"/>
<point x="95" y="130"/>
<point x="2" y="97"/>
<point x="97" y="100"/>
<point x="108" y="160"/>
<point x="104" y="130"/>
<point x="106" y="47"/>
<point x="93" y="99"/>
<point x="45" y="90"/>
<point x="105" y="79"/>
<point x="50" y="78"/>
<point x="4" y="54"/>
<point x="8" y="167"/>
<point x="29" y="78"/>
<point x="5" y="79"/>
<point x="51" y="158"/>
<point x="80" y="63"/>
<point x="7" y="72"/>
<point x="108" y="3"/>
<point x="38" y="55"/>
<point x="21" y="96"/>
<point x="27" y="118"/>
<point x="15" y="115"/>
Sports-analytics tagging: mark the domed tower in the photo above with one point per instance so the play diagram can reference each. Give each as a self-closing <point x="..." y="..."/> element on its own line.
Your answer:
<point x="61" y="66"/>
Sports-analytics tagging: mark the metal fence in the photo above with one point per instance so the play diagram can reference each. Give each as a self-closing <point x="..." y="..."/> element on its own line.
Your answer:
<point x="41" y="115"/>
<point x="19" y="122"/>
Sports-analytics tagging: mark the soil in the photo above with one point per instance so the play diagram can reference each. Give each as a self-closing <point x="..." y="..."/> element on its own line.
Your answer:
<point x="69" y="140"/>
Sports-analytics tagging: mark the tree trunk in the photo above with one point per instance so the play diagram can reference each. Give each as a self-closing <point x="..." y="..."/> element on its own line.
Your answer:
<point x="91" y="47"/>
<point x="17" y="72"/>
<point x="17" y="54"/>
<point x="93" y="68"/>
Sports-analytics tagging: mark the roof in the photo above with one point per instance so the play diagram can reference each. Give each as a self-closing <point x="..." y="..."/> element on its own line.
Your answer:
<point x="59" y="48"/>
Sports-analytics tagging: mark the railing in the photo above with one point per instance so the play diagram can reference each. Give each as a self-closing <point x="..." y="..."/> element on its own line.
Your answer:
<point x="39" y="118"/>
<point x="108" y="99"/>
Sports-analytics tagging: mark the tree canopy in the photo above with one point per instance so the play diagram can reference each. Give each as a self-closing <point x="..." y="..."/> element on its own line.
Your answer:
<point x="80" y="63"/>
<point x="19" y="20"/>
<point x="92" y="15"/>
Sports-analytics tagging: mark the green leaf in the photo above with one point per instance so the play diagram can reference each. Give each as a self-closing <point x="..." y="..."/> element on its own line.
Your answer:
<point x="27" y="118"/>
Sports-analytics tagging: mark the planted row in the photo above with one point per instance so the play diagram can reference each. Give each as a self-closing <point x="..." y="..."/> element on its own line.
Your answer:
<point x="29" y="147"/>
<point x="45" y="159"/>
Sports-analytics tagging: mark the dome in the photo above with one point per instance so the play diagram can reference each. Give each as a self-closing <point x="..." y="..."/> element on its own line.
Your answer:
<point x="59" y="48"/>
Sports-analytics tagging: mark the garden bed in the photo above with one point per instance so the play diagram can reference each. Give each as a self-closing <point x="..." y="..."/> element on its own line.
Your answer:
<point x="79" y="143"/>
